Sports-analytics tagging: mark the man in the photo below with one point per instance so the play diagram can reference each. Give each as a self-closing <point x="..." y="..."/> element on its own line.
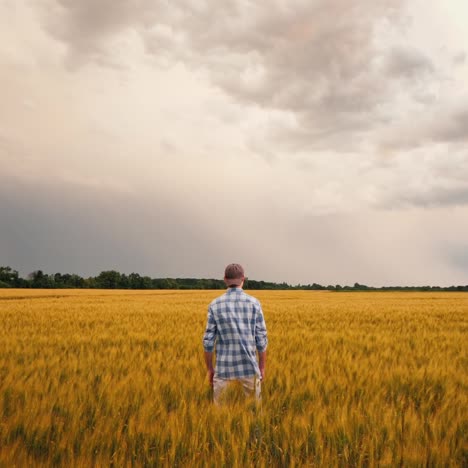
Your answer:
<point x="236" y="327"/>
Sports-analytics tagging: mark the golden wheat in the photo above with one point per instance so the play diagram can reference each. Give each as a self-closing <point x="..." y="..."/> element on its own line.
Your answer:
<point x="99" y="378"/>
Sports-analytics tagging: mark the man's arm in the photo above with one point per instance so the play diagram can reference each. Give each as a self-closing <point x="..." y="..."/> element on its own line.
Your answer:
<point x="208" y="344"/>
<point x="261" y="363"/>
<point x="261" y="341"/>
<point x="209" y="366"/>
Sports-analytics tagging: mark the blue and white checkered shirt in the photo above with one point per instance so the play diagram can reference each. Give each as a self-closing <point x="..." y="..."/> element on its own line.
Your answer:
<point x="236" y="323"/>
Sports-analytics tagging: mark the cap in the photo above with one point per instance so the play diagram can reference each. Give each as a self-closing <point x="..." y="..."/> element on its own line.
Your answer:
<point x="233" y="274"/>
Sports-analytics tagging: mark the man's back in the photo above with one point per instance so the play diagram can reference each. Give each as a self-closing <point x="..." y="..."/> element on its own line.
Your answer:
<point x="237" y="326"/>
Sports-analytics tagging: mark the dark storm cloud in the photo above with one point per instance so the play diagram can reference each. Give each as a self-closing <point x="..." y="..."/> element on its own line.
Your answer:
<point x="86" y="230"/>
<point x="58" y="227"/>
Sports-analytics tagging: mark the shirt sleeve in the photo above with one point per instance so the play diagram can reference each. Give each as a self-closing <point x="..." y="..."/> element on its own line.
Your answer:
<point x="210" y="332"/>
<point x="261" y="340"/>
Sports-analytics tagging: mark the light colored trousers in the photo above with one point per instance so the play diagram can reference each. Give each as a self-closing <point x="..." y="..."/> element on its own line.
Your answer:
<point x="251" y="385"/>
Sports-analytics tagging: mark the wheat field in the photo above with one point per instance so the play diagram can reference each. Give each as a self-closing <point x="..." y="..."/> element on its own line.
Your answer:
<point x="116" y="378"/>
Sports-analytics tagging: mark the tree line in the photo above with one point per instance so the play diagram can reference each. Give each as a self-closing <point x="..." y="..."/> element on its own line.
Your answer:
<point x="111" y="279"/>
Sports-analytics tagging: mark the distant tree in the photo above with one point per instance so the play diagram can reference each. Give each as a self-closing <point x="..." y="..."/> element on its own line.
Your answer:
<point x="216" y="284"/>
<point x="171" y="283"/>
<point x="146" y="282"/>
<point x="38" y="279"/>
<point x="58" y="281"/>
<point x="123" y="282"/>
<point x="90" y="283"/>
<point x="9" y="276"/>
<point x="112" y="279"/>
<point x="165" y="283"/>
<point x="76" y="281"/>
<point x="135" y="281"/>
<point x="157" y="283"/>
<point x="109" y="279"/>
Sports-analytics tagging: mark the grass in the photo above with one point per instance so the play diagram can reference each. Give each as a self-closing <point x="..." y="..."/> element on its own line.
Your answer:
<point x="116" y="378"/>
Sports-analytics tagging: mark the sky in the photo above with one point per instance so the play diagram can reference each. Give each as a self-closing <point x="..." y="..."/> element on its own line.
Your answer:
<point x="309" y="140"/>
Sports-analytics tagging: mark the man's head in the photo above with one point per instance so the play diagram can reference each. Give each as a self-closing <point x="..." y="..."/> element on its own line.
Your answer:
<point x="234" y="275"/>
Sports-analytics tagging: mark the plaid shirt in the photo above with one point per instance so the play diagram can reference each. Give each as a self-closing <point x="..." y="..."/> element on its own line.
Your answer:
<point x="235" y="322"/>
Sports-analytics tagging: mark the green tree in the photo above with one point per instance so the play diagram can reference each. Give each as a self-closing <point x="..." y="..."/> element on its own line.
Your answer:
<point x="9" y="276"/>
<point x="109" y="279"/>
<point x="38" y="279"/>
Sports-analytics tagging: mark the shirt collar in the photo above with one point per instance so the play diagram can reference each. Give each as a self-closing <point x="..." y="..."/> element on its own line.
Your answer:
<point x="234" y="289"/>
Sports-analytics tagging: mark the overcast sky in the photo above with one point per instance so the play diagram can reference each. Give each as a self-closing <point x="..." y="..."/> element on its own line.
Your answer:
<point x="310" y="140"/>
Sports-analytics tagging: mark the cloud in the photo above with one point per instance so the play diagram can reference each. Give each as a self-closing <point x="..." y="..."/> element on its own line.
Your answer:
<point x="408" y="63"/>
<point x="80" y="228"/>
<point x="88" y="27"/>
<point x="460" y="59"/>
<point x="333" y="70"/>
<point x="458" y="257"/>
<point x="447" y="123"/>
<point x="317" y="60"/>
<point x="432" y="195"/>
<point x="454" y="126"/>
<point x="312" y="141"/>
<point x="77" y="228"/>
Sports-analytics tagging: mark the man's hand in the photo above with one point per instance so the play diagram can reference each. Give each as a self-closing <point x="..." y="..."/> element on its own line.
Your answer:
<point x="209" y="366"/>
<point x="261" y="363"/>
<point x="262" y="372"/>
<point x="210" y="376"/>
